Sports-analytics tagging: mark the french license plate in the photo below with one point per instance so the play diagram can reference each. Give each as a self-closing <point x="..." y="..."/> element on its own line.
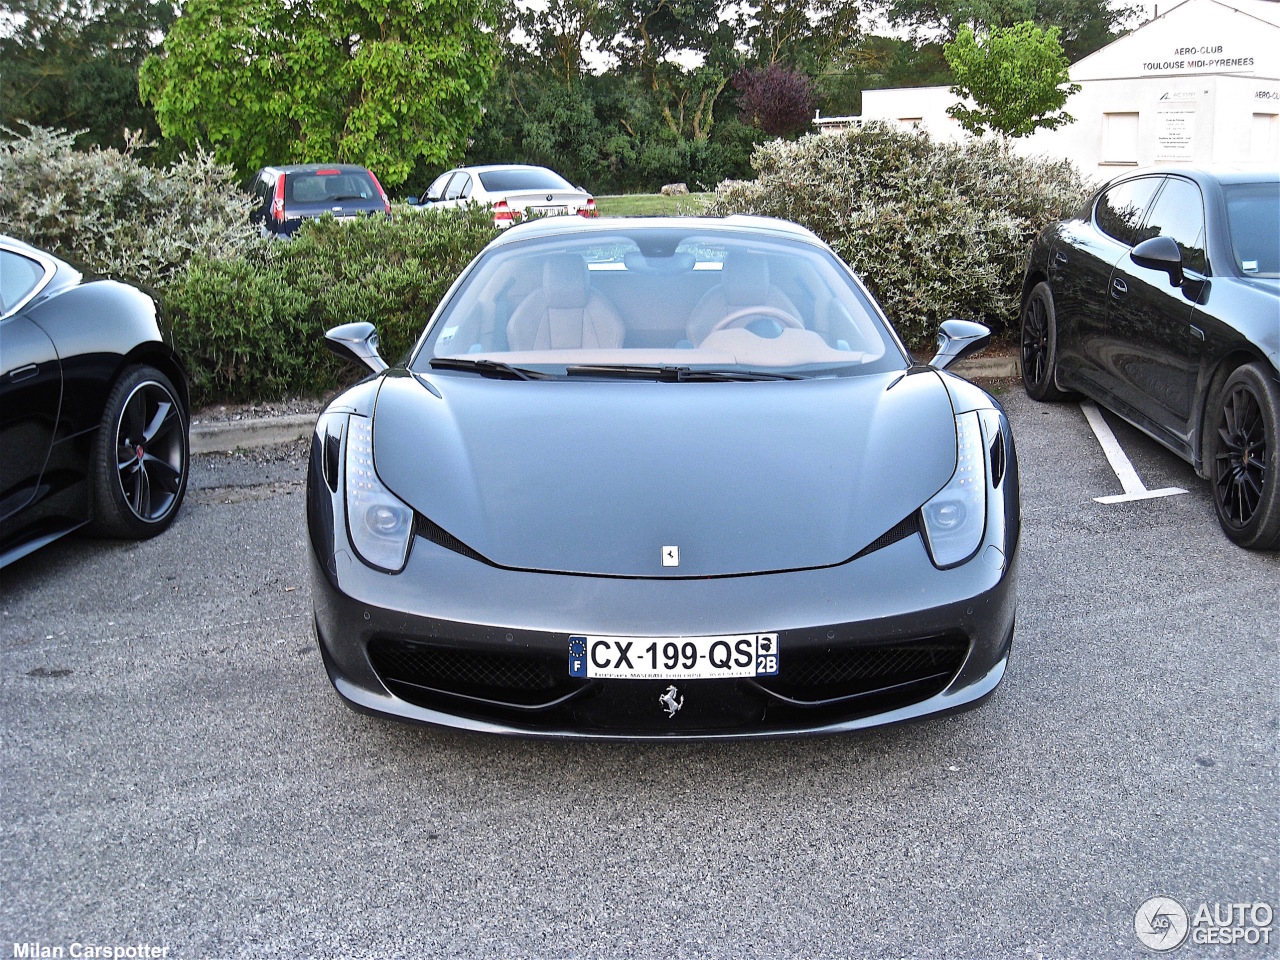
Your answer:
<point x="674" y="658"/>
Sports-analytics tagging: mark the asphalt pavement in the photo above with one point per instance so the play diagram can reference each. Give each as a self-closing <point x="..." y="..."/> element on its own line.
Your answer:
<point x="176" y="771"/>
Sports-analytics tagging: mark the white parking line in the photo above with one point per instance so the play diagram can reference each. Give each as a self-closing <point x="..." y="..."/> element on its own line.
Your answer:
<point x="1129" y="480"/>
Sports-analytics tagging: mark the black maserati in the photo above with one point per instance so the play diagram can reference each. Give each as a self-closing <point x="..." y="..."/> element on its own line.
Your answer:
<point x="93" y="406"/>
<point x="1161" y="301"/>
<point x="663" y="478"/>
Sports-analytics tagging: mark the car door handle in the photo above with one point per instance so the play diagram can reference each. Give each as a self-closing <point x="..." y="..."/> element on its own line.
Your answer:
<point x="1119" y="288"/>
<point x="24" y="373"/>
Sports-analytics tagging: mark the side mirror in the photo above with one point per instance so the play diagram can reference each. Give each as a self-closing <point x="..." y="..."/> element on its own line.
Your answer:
<point x="958" y="339"/>
<point x="358" y="343"/>
<point x="411" y="201"/>
<point x="1160" y="253"/>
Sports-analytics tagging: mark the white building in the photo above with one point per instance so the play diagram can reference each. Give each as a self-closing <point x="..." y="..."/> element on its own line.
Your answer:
<point x="1198" y="84"/>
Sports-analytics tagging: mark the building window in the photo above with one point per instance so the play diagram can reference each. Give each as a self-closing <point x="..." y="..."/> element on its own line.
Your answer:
<point x="1120" y="138"/>
<point x="1264" y="137"/>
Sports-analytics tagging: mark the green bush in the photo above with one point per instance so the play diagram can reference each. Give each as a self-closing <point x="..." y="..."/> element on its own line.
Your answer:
<point x="934" y="230"/>
<point x="112" y="213"/>
<point x="252" y="327"/>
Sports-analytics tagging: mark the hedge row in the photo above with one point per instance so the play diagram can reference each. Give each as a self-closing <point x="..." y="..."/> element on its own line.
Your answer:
<point x="115" y="214"/>
<point x="252" y="327"/>
<point x="935" y="230"/>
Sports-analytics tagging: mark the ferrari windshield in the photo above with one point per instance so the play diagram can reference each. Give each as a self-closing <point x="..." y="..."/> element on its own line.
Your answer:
<point x="660" y="301"/>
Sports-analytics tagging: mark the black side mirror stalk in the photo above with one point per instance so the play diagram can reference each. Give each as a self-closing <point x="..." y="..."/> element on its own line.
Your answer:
<point x="958" y="339"/>
<point x="357" y="343"/>
<point x="1160" y="253"/>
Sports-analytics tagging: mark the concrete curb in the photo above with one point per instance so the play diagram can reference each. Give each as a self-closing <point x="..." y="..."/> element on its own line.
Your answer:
<point x="992" y="368"/>
<point x="226" y="435"/>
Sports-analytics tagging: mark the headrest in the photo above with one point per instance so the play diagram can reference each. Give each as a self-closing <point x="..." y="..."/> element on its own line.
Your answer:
<point x="565" y="280"/>
<point x="745" y="279"/>
<point x="637" y="262"/>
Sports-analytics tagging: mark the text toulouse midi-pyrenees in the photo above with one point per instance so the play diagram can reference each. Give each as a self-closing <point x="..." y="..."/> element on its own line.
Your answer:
<point x="1198" y="64"/>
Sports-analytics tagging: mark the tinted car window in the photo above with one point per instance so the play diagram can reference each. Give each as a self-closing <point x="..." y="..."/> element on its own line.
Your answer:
<point x="1179" y="213"/>
<point x="321" y="187"/>
<point x="1120" y="209"/>
<point x="1253" y="220"/>
<point x="18" y="276"/>
<point x="500" y="181"/>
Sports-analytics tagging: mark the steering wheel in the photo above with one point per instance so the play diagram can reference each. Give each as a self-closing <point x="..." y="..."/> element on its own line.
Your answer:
<point x="740" y="318"/>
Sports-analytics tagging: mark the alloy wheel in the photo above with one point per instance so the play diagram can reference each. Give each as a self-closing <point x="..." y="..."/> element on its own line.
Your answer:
<point x="1035" y="341"/>
<point x="1240" y="465"/>
<point x="149" y="451"/>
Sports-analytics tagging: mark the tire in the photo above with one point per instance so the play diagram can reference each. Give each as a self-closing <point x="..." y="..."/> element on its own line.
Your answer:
<point x="1244" y="457"/>
<point x="1039" y="354"/>
<point x="141" y="457"/>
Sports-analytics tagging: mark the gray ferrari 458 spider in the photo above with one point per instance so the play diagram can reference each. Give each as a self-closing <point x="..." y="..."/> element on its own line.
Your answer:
<point x="662" y="479"/>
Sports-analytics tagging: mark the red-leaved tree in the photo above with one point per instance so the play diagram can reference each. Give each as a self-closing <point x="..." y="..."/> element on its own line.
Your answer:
<point x="777" y="100"/>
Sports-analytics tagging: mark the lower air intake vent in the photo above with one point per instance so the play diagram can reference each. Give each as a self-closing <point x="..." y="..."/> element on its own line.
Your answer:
<point x="916" y="668"/>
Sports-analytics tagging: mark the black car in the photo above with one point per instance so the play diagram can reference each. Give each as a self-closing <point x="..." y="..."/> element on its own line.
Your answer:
<point x="662" y="478"/>
<point x="93" y="406"/>
<point x="1161" y="301"/>
<point x="285" y="196"/>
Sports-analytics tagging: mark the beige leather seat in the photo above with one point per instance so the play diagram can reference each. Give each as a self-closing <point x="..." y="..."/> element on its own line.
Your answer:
<point x="744" y="282"/>
<point x="565" y="313"/>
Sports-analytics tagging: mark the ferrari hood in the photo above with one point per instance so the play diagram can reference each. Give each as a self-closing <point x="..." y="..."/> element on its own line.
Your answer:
<point x="582" y="476"/>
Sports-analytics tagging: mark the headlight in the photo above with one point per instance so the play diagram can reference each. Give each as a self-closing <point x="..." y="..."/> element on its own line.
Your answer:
<point x="380" y="524"/>
<point x="954" y="520"/>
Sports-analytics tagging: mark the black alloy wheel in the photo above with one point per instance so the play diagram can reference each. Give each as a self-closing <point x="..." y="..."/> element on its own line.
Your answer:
<point x="1246" y="493"/>
<point x="1039" y="346"/>
<point x="142" y="453"/>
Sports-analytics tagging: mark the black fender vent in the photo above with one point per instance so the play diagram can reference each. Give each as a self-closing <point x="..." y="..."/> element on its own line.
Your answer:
<point x="900" y="531"/>
<point x="438" y="535"/>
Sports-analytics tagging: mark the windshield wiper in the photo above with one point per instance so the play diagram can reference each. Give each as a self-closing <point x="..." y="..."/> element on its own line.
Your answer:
<point x="671" y="373"/>
<point x="489" y="368"/>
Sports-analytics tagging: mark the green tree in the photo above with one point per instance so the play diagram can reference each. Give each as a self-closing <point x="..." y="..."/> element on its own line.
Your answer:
<point x="1016" y="76"/>
<point x="74" y="64"/>
<point x="657" y="39"/>
<point x="376" y="82"/>
<point x="1085" y="25"/>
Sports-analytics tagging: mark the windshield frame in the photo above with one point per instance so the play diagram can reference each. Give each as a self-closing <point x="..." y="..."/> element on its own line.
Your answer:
<point x="894" y="358"/>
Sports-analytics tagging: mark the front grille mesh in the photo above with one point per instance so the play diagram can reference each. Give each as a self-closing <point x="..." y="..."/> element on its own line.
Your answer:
<point x="874" y="664"/>
<point x="459" y="670"/>
<point x="822" y="675"/>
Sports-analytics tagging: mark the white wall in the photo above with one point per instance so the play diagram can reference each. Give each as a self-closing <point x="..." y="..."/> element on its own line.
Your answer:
<point x="1217" y="107"/>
